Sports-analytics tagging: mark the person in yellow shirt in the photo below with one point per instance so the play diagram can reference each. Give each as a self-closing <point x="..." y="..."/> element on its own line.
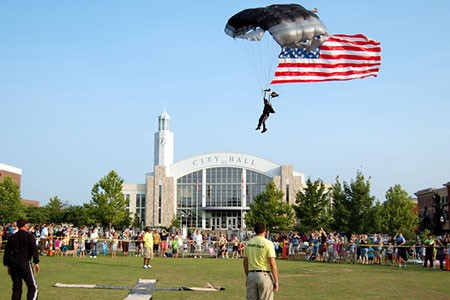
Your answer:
<point x="156" y="242"/>
<point x="148" y="247"/>
<point x="260" y="267"/>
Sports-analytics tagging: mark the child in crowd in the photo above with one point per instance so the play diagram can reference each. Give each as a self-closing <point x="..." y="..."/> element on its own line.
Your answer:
<point x="105" y="248"/>
<point x="75" y="244"/>
<point x="65" y="244"/>
<point x="114" y="244"/>
<point x="58" y="246"/>
<point x="168" y="249"/>
<point x="353" y="255"/>
<point x="185" y="248"/>
<point x="174" y="242"/>
<point x="389" y="254"/>
<point x="82" y="244"/>
<point x="342" y="250"/>
<point x="370" y="254"/>
<point x="241" y="247"/>
<point x="235" y="242"/>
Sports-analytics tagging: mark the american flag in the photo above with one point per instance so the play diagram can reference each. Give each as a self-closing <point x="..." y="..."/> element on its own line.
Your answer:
<point x="340" y="57"/>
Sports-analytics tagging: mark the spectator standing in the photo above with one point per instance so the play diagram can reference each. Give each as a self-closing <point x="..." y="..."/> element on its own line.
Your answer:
<point x="352" y="249"/>
<point x="94" y="242"/>
<point x="429" y="248"/>
<point x="260" y="267"/>
<point x="401" y="250"/>
<point x="156" y="242"/>
<point x="44" y="238"/>
<point x="389" y="254"/>
<point x="174" y="245"/>
<point x="75" y="243"/>
<point x="235" y="242"/>
<point x="114" y="243"/>
<point x="331" y="241"/>
<point x="164" y="238"/>
<point x="180" y="243"/>
<point x="294" y="245"/>
<point x="19" y="251"/>
<point x="364" y="249"/>
<point x="198" y="239"/>
<point x="82" y="244"/>
<point x="148" y="247"/>
<point x="440" y="254"/>
<point x="223" y="245"/>
<point x="342" y="250"/>
<point x="125" y="242"/>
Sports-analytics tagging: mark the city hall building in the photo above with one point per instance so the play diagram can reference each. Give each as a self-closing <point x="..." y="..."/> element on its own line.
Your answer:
<point x="209" y="191"/>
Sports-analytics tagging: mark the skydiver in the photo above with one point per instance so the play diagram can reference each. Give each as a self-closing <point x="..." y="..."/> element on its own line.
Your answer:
<point x="268" y="109"/>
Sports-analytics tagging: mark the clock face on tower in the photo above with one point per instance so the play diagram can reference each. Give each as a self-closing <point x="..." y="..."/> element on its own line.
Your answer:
<point x="162" y="141"/>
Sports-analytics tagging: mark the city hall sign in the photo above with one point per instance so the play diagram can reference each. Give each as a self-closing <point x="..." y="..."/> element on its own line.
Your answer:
<point x="222" y="159"/>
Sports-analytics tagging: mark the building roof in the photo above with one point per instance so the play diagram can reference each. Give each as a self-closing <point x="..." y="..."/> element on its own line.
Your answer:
<point x="15" y="170"/>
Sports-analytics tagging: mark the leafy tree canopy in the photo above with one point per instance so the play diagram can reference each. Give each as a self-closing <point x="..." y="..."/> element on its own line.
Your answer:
<point x="108" y="201"/>
<point x="269" y="208"/>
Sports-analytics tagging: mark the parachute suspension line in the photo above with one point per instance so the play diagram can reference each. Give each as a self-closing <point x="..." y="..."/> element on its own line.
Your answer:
<point x="262" y="57"/>
<point x="253" y="55"/>
<point x="273" y="51"/>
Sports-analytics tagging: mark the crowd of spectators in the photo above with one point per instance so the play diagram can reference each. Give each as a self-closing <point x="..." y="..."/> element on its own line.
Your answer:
<point x="320" y="246"/>
<point x="373" y="249"/>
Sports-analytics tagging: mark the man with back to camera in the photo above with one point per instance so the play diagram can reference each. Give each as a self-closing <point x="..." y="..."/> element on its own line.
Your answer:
<point x="19" y="251"/>
<point x="259" y="266"/>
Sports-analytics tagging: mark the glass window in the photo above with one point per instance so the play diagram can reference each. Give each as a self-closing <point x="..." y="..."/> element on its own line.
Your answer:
<point x="142" y="200"/>
<point x="189" y="196"/>
<point x="255" y="184"/>
<point x="138" y="200"/>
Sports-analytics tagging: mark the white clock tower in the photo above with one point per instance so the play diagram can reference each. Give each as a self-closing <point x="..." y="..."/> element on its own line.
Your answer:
<point x="163" y="142"/>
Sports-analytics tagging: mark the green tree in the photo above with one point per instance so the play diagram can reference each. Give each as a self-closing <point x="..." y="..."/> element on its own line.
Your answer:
<point x="55" y="210"/>
<point x="80" y="215"/>
<point x="108" y="201"/>
<point x="353" y="205"/>
<point x="136" y="222"/>
<point x="375" y="221"/>
<point x="358" y="195"/>
<point x="269" y="207"/>
<point x="36" y="214"/>
<point x="175" y="222"/>
<point x="340" y="211"/>
<point x="398" y="212"/>
<point x="312" y="205"/>
<point x="11" y="206"/>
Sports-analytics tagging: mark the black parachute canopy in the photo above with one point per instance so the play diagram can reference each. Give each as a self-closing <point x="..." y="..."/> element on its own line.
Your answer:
<point x="291" y="25"/>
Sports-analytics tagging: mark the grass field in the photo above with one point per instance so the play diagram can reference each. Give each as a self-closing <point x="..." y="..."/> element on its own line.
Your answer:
<point x="299" y="279"/>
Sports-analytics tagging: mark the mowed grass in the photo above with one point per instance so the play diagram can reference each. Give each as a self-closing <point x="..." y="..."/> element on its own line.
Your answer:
<point x="299" y="279"/>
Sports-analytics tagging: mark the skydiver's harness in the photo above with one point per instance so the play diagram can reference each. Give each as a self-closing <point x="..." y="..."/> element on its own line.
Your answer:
<point x="272" y="94"/>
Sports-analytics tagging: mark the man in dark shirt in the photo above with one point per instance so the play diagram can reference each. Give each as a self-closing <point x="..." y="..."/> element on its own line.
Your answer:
<point x="19" y="251"/>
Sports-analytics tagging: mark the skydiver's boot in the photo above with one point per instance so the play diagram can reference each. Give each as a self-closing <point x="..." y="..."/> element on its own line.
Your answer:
<point x="257" y="128"/>
<point x="264" y="130"/>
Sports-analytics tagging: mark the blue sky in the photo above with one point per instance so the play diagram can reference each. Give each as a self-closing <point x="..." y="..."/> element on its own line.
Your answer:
<point x="83" y="82"/>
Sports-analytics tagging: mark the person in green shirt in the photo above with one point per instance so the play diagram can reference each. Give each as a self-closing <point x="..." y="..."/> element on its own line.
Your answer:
<point x="260" y="267"/>
<point x="174" y="241"/>
<point x="429" y="251"/>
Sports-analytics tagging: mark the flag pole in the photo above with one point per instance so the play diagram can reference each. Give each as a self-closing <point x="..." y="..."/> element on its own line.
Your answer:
<point x="196" y="206"/>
